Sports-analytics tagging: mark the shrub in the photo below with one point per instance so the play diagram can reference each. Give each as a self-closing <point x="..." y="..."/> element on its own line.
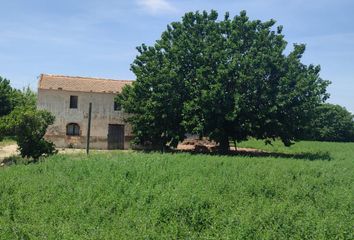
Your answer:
<point x="29" y="125"/>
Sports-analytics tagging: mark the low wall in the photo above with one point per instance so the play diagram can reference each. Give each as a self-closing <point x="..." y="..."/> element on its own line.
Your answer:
<point x="63" y="141"/>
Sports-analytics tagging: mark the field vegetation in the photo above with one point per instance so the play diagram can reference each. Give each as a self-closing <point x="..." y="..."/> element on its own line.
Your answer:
<point x="302" y="192"/>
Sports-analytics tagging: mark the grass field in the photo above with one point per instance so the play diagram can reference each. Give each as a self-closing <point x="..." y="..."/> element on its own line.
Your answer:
<point x="302" y="192"/>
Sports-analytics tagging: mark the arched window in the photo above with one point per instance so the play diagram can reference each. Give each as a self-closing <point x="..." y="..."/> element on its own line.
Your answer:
<point x="73" y="129"/>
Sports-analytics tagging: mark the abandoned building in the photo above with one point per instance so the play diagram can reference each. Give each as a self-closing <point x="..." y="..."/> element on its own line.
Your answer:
<point x="68" y="99"/>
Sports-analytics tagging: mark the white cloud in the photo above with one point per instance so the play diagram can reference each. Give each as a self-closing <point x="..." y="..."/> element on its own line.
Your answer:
<point x="156" y="6"/>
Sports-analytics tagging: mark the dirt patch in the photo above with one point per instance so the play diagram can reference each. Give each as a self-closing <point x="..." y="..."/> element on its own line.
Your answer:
<point x="7" y="151"/>
<point x="206" y="146"/>
<point x="81" y="150"/>
<point x="70" y="150"/>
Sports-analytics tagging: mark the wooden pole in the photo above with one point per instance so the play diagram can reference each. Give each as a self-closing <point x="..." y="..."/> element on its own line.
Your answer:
<point x="88" y="130"/>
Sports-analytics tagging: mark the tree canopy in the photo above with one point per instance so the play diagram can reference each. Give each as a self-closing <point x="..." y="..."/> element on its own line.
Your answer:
<point x="11" y="97"/>
<point x="331" y="123"/>
<point x="20" y="119"/>
<point x="6" y="97"/>
<point x="226" y="79"/>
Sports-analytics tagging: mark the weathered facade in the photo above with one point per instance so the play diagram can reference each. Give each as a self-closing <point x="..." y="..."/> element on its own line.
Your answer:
<point x="68" y="98"/>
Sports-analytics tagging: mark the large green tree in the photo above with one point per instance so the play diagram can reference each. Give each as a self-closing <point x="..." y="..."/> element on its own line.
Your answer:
<point x="226" y="80"/>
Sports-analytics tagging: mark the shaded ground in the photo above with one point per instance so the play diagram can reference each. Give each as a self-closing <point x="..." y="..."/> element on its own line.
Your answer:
<point x="196" y="146"/>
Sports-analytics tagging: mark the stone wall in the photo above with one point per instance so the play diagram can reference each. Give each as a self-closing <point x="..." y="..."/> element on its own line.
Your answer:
<point x="57" y="102"/>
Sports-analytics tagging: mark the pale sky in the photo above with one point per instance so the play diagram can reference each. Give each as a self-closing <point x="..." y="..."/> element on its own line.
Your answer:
<point x="97" y="38"/>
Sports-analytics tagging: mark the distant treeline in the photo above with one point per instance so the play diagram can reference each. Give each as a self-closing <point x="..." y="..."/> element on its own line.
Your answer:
<point x="331" y="123"/>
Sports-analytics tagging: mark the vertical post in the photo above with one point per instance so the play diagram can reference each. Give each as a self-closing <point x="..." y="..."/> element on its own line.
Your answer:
<point x="88" y="130"/>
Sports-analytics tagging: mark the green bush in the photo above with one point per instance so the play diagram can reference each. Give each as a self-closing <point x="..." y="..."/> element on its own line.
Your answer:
<point x="29" y="125"/>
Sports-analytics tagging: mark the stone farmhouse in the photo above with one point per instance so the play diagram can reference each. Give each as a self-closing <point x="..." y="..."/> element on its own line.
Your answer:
<point x="68" y="98"/>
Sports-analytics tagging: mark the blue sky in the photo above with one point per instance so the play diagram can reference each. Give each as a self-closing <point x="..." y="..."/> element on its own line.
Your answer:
<point x="98" y="37"/>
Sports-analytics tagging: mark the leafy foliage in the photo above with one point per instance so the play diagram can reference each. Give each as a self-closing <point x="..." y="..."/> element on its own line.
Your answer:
<point x="115" y="195"/>
<point x="6" y="97"/>
<point x="20" y="119"/>
<point x="227" y="79"/>
<point x="11" y="98"/>
<point x="331" y="123"/>
<point x="25" y="98"/>
<point x="29" y="125"/>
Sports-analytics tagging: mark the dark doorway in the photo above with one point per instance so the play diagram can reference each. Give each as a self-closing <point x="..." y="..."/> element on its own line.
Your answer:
<point x="115" y="136"/>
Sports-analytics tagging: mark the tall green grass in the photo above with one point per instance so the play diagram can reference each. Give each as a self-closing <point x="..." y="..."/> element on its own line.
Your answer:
<point x="182" y="196"/>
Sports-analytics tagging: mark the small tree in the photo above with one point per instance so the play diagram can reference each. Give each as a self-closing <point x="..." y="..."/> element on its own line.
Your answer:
<point x="29" y="125"/>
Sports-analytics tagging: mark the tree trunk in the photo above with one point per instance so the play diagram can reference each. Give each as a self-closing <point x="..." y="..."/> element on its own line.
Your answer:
<point x="235" y="144"/>
<point x="224" y="145"/>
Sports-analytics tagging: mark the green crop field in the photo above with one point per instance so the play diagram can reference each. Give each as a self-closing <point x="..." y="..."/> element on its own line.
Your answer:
<point x="302" y="192"/>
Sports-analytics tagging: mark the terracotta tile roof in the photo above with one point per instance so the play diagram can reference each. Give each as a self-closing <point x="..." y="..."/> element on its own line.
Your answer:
<point x="81" y="84"/>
